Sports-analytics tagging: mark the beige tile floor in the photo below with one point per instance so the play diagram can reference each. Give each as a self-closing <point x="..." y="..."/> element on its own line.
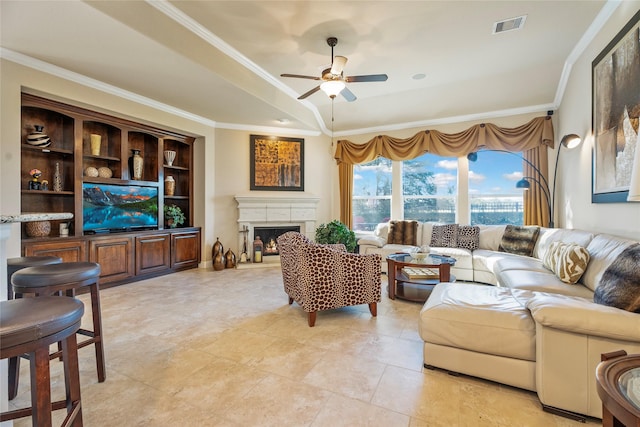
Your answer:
<point x="205" y="348"/>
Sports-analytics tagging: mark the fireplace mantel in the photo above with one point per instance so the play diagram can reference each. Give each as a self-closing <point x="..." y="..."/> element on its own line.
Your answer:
<point x="276" y="210"/>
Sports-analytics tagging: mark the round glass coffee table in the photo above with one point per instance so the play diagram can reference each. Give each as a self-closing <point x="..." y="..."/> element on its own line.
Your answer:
<point x="618" y="385"/>
<point x="412" y="279"/>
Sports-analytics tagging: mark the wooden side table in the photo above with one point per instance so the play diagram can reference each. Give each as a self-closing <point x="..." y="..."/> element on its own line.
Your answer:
<point x="618" y="384"/>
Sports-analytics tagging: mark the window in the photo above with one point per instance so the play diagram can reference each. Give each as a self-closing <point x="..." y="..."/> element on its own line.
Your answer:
<point x="371" y="194"/>
<point x="429" y="188"/>
<point x="492" y="189"/>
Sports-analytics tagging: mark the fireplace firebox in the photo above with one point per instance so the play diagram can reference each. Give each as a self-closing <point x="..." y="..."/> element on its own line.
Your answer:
<point x="269" y="237"/>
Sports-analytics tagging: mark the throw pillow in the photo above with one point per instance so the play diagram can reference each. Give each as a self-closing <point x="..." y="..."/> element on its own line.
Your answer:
<point x="403" y="233"/>
<point x="444" y="236"/>
<point x="620" y="283"/>
<point x="568" y="261"/>
<point x="469" y="237"/>
<point x="519" y="240"/>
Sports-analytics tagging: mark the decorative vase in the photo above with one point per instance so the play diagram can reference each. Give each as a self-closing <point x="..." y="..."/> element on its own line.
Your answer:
<point x="169" y="156"/>
<point x="169" y="186"/>
<point x="137" y="164"/>
<point x="105" y="172"/>
<point x="38" y="138"/>
<point x="95" y="144"/>
<point x="218" y="255"/>
<point x="57" y="178"/>
<point x="230" y="259"/>
<point x="38" y="228"/>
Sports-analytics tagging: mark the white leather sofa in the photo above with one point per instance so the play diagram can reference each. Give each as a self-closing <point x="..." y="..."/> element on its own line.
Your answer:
<point x="529" y="330"/>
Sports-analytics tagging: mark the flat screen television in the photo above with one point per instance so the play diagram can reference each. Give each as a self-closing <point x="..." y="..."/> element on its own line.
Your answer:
<point x="113" y="208"/>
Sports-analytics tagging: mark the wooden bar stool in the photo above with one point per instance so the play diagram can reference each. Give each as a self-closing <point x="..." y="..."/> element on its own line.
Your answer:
<point x="15" y="264"/>
<point x="31" y="325"/>
<point x="66" y="278"/>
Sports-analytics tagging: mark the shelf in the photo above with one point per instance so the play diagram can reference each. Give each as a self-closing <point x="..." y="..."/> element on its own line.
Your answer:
<point x="48" y="150"/>
<point x="116" y="181"/>
<point x="47" y="193"/>
<point x="177" y="168"/>
<point x="108" y="158"/>
<point x="176" y="197"/>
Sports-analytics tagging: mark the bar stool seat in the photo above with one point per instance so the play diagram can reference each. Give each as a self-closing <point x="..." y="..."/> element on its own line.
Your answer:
<point x="18" y="263"/>
<point x="66" y="278"/>
<point x="31" y="325"/>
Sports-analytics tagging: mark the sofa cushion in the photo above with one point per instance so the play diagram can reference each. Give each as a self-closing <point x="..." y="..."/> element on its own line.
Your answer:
<point x="403" y="233"/>
<point x="549" y="235"/>
<point x="479" y="318"/>
<point x="519" y="240"/>
<point x="490" y="236"/>
<point x="540" y="281"/>
<point x="603" y="250"/>
<point x="445" y="236"/>
<point x="469" y="237"/>
<point x="620" y="283"/>
<point x="567" y="260"/>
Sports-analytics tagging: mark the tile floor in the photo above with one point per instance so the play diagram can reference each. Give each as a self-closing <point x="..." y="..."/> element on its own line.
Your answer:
<point x="205" y="348"/>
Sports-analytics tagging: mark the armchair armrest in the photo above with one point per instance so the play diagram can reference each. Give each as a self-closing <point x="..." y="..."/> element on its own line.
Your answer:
<point x="580" y="315"/>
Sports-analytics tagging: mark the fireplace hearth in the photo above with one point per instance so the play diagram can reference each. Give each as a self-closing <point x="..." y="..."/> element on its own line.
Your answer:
<point x="269" y="237"/>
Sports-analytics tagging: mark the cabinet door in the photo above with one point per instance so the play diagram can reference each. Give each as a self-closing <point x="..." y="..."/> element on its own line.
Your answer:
<point x="115" y="256"/>
<point x="185" y="250"/>
<point x="68" y="250"/>
<point x="152" y="253"/>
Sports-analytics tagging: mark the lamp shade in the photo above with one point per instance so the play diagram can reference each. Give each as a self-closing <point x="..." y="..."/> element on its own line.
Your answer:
<point x="332" y="87"/>
<point x="634" y="184"/>
<point x="523" y="183"/>
<point x="571" y="141"/>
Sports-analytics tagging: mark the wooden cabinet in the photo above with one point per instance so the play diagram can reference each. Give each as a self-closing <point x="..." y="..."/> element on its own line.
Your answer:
<point x="70" y="129"/>
<point x="185" y="250"/>
<point x="125" y="257"/>
<point x="152" y="253"/>
<point x="115" y="256"/>
<point x="74" y="158"/>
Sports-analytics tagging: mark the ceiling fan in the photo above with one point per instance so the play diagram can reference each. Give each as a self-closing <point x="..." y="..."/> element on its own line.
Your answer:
<point x="333" y="79"/>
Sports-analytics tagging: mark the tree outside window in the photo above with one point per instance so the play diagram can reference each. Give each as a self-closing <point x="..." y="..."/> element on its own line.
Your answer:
<point x="371" y="194"/>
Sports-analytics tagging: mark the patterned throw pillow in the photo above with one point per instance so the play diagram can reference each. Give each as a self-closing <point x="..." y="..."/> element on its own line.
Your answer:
<point x="568" y="261"/>
<point x="444" y="236"/>
<point x="403" y="233"/>
<point x="469" y="237"/>
<point x="620" y="283"/>
<point x="519" y="240"/>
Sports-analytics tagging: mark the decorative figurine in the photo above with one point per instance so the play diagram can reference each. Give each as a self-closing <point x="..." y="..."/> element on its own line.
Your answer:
<point x="34" y="184"/>
<point x="44" y="185"/>
<point x="257" y="249"/>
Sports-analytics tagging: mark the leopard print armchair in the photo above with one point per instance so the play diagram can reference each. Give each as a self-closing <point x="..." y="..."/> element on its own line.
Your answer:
<point x="324" y="277"/>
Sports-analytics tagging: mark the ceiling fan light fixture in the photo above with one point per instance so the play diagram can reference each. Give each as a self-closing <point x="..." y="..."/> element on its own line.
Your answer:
<point x="332" y="87"/>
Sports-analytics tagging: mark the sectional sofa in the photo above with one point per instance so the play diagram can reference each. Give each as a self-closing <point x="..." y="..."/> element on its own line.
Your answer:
<point x="529" y="329"/>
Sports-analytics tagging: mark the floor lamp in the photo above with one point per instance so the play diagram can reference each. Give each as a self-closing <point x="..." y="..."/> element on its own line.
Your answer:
<point x="524" y="183"/>
<point x="570" y="141"/>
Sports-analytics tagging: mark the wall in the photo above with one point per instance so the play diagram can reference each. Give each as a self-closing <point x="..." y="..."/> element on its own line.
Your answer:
<point x="232" y="178"/>
<point x="573" y="199"/>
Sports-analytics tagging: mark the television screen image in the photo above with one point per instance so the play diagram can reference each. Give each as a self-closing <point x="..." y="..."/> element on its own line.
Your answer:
<point x="108" y="207"/>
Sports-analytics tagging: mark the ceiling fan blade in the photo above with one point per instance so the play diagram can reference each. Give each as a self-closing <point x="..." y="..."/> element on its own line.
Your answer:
<point x="338" y="65"/>
<point x="367" y="78"/>
<point x="348" y="95"/>
<point x="311" y="92"/>
<point x="299" y="76"/>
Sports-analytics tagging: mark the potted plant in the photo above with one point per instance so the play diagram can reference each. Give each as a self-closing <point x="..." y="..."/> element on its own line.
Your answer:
<point x="336" y="232"/>
<point x="173" y="216"/>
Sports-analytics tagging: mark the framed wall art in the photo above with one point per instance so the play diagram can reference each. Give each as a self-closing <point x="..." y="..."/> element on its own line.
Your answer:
<point x="277" y="163"/>
<point x="616" y="114"/>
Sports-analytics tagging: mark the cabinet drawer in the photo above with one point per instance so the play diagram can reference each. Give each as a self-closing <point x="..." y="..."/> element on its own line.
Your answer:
<point x="68" y="250"/>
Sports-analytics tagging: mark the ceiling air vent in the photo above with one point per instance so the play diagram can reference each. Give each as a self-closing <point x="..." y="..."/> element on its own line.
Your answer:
<point x="509" y="24"/>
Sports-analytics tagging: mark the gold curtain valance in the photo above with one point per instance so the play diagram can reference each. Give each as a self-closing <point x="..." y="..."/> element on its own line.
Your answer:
<point x="533" y="134"/>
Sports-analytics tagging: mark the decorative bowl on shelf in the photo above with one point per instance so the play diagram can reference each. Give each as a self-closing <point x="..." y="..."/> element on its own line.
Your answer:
<point x="38" y="228"/>
<point x="91" y="171"/>
<point x="169" y="156"/>
<point x="105" y="172"/>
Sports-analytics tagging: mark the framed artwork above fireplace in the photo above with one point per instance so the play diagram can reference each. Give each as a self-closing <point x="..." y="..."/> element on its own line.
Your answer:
<point x="277" y="163"/>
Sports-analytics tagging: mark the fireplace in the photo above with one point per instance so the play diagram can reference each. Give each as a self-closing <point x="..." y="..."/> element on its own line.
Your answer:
<point x="280" y="211"/>
<point x="269" y="237"/>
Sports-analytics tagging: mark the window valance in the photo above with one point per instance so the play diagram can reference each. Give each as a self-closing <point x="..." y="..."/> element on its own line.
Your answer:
<point x="533" y="134"/>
